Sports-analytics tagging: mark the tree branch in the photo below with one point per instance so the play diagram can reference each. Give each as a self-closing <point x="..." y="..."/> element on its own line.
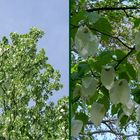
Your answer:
<point x="109" y="131"/>
<point x="111" y="8"/>
<point x="120" y="61"/>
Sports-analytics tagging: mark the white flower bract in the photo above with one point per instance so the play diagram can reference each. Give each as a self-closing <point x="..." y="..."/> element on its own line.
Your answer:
<point x="86" y="43"/>
<point x="76" y="126"/>
<point x="107" y="76"/>
<point x="97" y="113"/>
<point x="120" y="92"/>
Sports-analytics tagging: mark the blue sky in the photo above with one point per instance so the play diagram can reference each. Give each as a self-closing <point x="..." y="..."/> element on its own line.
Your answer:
<point x="51" y="16"/>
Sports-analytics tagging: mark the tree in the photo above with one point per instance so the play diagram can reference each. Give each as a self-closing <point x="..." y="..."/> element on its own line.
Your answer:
<point x="26" y="83"/>
<point x="105" y="69"/>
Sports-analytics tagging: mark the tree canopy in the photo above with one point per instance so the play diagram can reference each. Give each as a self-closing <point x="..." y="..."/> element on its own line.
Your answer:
<point x="105" y="69"/>
<point x="27" y="81"/>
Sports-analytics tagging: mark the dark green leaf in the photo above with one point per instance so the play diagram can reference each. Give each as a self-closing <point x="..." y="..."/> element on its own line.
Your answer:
<point x="82" y="116"/>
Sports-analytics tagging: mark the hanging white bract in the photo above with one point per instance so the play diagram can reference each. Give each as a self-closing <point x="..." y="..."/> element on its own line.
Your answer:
<point x="120" y="92"/>
<point x="137" y="41"/>
<point x="128" y="108"/>
<point x="138" y="114"/>
<point x="86" y="43"/>
<point x="107" y="76"/>
<point x="76" y="126"/>
<point x="97" y="113"/>
<point x="76" y="91"/>
<point x="88" y="87"/>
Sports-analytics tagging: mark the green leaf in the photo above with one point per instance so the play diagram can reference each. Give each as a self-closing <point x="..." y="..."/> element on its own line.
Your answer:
<point x="137" y="41"/>
<point x="83" y="68"/>
<point x="136" y="22"/>
<point x="103" y="59"/>
<point x="124" y="75"/>
<point x="119" y="53"/>
<point x="77" y="17"/>
<point x="136" y="94"/>
<point x="82" y="116"/>
<point x="105" y="101"/>
<point x="138" y="57"/>
<point x="103" y="25"/>
<point x="115" y="109"/>
<point x="131" y="71"/>
<point x="123" y="121"/>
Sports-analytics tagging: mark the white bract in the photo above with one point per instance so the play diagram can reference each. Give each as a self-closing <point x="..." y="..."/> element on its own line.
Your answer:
<point x="107" y="76"/>
<point x="76" y="126"/>
<point x="76" y="91"/>
<point x="137" y="41"/>
<point x="86" y="43"/>
<point x="97" y="113"/>
<point x="138" y="114"/>
<point x="88" y="87"/>
<point x="128" y="108"/>
<point x="120" y="92"/>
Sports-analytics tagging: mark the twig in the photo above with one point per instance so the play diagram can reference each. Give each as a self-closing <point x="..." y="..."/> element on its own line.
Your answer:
<point x="109" y="131"/>
<point x="111" y="8"/>
<point x="120" y="61"/>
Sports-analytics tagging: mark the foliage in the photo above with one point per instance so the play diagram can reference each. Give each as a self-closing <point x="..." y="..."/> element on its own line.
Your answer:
<point x="105" y="47"/>
<point x="26" y="82"/>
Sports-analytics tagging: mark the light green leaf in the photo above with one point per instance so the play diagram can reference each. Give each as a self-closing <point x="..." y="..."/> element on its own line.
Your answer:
<point x="93" y="17"/>
<point x="88" y="87"/>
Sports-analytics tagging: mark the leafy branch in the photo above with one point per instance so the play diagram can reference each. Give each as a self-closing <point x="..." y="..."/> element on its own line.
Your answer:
<point x="109" y="35"/>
